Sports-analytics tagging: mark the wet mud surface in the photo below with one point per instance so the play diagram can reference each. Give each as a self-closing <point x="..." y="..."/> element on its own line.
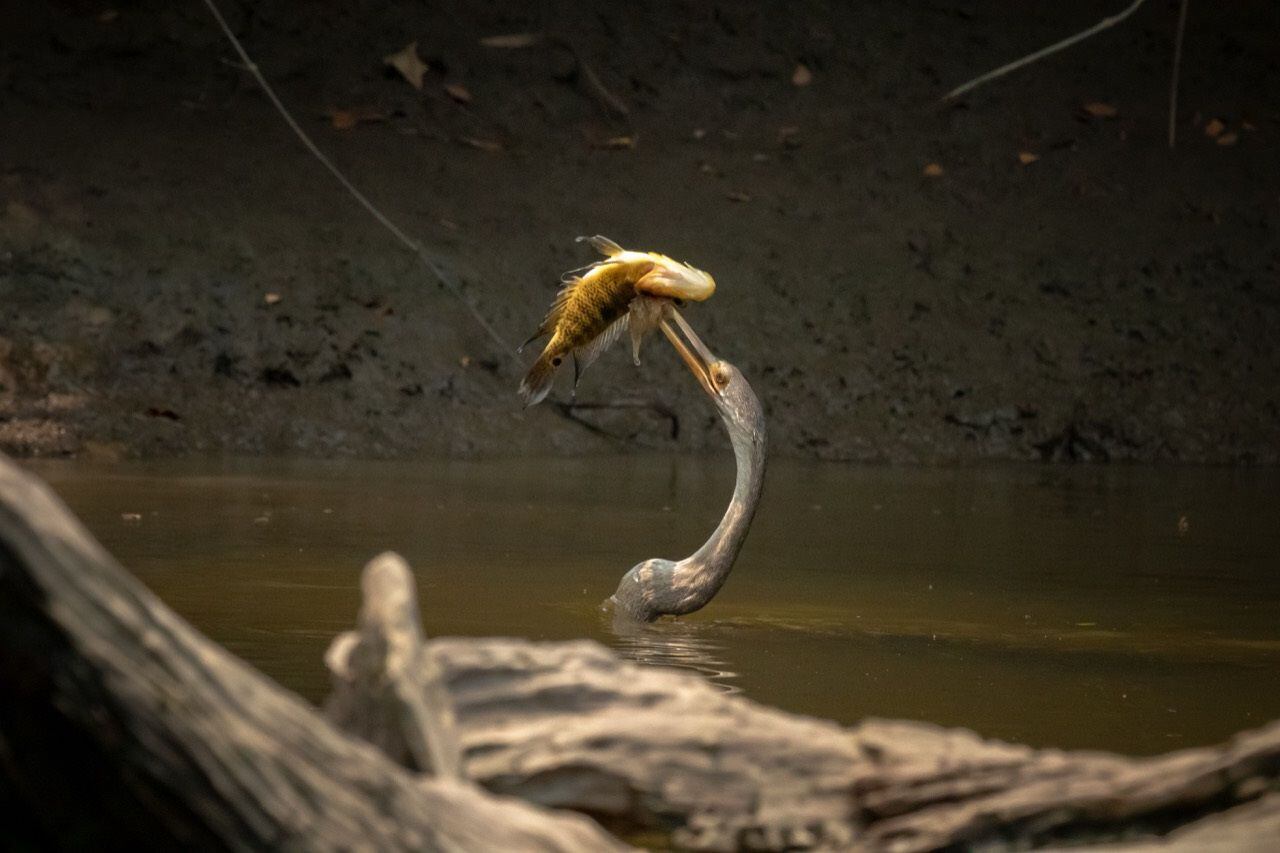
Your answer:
<point x="177" y="275"/>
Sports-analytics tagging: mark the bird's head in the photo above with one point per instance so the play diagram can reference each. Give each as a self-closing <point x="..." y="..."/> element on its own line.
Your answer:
<point x="723" y="383"/>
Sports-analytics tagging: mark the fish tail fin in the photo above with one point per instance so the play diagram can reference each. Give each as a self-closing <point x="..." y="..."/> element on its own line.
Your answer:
<point x="537" y="382"/>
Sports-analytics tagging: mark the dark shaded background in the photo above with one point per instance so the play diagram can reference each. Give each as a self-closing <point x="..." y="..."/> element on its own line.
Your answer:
<point x="1111" y="300"/>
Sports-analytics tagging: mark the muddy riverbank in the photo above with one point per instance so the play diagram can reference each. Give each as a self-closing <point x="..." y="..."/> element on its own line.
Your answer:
<point x="178" y="276"/>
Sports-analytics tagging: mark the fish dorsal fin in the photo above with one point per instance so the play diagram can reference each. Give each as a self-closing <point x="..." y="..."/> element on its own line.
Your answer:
<point x="603" y="341"/>
<point x="573" y="276"/>
<point x="603" y="245"/>
<point x="562" y="298"/>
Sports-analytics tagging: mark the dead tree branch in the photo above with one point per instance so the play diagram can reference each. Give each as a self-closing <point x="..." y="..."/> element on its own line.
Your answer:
<point x="121" y="727"/>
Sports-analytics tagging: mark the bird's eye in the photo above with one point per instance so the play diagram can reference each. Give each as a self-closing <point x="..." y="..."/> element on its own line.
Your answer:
<point x="719" y="376"/>
<point x="556" y="361"/>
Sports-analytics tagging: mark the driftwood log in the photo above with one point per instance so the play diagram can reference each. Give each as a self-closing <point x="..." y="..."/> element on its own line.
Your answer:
<point x="119" y="724"/>
<point x="570" y="725"/>
<point x="121" y="727"/>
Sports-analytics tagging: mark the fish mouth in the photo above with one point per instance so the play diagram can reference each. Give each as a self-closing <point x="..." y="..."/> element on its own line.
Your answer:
<point x="693" y="351"/>
<point x="688" y="284"/>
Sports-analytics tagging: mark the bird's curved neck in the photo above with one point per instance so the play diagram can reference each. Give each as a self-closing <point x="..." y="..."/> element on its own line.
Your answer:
<point x="704" y="571"/>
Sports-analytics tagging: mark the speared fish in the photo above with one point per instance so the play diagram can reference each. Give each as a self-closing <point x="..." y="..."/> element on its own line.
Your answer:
<point x="624" y="291"/>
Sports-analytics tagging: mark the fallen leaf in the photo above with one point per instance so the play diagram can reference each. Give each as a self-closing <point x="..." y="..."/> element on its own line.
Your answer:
<point x="465" y="361"/>
<point x="1213" y="129"/>
<point x="802" y="76"/>
<point x="345" y="119"/>
<point x="789" y="137"/>
<point x="934" y="170"/>
<point x="458" y="92"/>
<point x="741" y="197"/>
<point x="272" y="298"/>
<point x="1098" y="109"/>
<point x="699" y="133"/>
<point x="1228" y="138"/>
<point x="510" y="41"/>
<point x="618" y="142"/>
<point x="481" y="144"/>
<point x="1026" y="158"/>
<point x="342" y="119"/>
<point x="407" y="62"/>
<point x="131" y="516"/>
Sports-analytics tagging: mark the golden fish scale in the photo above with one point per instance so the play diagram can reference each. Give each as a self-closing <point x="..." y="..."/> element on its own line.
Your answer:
<point x="597" y="301"/>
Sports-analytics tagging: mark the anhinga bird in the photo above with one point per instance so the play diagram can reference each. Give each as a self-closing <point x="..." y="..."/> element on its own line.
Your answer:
<point x="660" y="587"/>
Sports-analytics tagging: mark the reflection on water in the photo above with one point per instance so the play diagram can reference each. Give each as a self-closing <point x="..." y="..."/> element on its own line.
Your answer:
<point x="675" y="644"/>
<point x="1123" y="608"/>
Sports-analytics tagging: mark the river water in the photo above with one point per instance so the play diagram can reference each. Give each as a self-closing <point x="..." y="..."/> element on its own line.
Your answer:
<point x="1124" y="608"/>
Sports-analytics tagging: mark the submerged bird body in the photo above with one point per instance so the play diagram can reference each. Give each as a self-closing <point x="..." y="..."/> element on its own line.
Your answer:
<point x="626" y="290"/>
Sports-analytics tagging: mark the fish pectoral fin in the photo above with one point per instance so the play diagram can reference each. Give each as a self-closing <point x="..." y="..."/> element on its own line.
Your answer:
<point x="646" y="313"/>
<point x="603" y="245"/>
<point x="590" y="352"/>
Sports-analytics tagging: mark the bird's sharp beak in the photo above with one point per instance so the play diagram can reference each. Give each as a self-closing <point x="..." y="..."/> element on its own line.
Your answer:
<point x="691" y="348"/>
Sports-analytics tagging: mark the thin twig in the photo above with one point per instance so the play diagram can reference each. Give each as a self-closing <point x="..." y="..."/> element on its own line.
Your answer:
<point x="594" y="85"/>
<point x="609" y="99"/>
<point x="570" y="410"/>
<point x="658" y="407"/>
<point x="587" y="74"/>
<point x="1175" y="73"/>
<point x="444" y="276"/>
<point x="1105" y="23"/>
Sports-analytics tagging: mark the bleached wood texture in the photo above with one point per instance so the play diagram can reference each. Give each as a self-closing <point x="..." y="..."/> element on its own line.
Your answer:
<point x="570" y="725"/>
<point x="121" y="727"/>
<point x="387" y="689"/>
